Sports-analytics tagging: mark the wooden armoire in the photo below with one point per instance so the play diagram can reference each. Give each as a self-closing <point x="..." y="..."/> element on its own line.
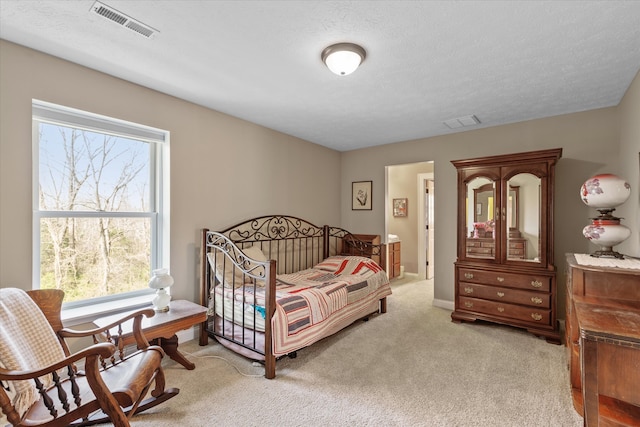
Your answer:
<point x="505" y="272"/>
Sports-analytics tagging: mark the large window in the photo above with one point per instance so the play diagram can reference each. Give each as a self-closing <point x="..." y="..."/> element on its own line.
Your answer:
<point x="100" y="193"/>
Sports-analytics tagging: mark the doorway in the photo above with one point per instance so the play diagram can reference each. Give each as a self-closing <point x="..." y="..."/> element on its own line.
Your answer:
<point x="413" y="185"/>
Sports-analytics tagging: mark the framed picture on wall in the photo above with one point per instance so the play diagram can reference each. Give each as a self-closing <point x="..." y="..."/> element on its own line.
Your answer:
<point x="400" y="207"/>
<point x="361" y="196"/>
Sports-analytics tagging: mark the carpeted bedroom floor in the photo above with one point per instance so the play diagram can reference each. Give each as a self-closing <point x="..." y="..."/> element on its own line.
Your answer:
<point x="409" y="367"/>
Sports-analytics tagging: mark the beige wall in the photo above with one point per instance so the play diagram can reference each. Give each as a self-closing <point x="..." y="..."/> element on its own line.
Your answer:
<point x="630" y="165"/>
<point x="223" y="169"/>
<point x="590" y="142"/>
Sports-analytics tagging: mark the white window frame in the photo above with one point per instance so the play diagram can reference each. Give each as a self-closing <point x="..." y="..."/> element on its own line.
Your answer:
<point x="47" y="112"/>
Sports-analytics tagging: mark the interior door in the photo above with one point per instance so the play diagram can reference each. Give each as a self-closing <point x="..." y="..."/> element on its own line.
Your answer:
<point x="430" y="229"/>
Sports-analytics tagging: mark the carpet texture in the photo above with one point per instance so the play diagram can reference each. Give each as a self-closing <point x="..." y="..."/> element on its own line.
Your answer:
<point x="409" y="367"/>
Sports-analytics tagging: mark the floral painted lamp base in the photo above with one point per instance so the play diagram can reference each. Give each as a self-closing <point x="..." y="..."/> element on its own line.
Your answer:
<point x="607" y="233"/>
<point x="604" y="192"/>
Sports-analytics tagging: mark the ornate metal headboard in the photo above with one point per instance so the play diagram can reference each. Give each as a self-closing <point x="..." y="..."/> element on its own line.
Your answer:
<point x="294" y="243"/>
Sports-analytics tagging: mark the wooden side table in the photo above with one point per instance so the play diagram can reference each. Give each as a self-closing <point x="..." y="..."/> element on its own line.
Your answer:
<point x="161" y="329"/>
<point x="610" y="361"/>
<point x="604" y="286"/>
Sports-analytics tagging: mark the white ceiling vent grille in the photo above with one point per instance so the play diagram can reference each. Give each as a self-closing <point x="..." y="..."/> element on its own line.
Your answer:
<point x="122" y="19"/>
<point x="461" y="122"/>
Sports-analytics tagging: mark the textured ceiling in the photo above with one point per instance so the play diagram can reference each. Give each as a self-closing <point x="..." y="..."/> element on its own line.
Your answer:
<point x="427" y="61"/>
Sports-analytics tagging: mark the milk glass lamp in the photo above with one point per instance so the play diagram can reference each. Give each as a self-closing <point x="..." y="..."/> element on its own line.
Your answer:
<point x="161" y="281"/>
<point x="604" y="192"/>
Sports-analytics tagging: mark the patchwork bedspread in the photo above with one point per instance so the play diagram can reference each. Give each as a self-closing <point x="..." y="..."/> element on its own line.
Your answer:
<point x="309" y="303"/>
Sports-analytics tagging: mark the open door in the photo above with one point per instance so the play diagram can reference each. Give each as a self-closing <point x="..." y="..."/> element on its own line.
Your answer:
<point x="426" y="231"/>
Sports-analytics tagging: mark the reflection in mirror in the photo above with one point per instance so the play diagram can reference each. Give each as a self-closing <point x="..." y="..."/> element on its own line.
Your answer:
<point x="512" y="208"/>
<point x="523" y="218"/>
<point x="483" y="197"/>
<point x="480" y="225"/>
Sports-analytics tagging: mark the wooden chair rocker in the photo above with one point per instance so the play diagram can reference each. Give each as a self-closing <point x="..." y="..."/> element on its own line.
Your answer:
<point x="43" y="384"/>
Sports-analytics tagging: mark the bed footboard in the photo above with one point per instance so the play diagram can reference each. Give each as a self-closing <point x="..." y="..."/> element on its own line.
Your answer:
<point x="239" y="274"/>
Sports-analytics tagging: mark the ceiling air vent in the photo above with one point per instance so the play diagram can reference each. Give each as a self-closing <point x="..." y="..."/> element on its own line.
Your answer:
<point x="122" y="19"/>
<point x="461" y="122"/>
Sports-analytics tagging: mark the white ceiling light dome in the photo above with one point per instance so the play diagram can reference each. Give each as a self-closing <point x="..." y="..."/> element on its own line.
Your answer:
<point x="343" y="58"/>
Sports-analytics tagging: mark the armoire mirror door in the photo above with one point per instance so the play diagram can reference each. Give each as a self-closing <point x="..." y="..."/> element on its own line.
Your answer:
<point x="523" y="207"/>
<point x="480" y="202"/>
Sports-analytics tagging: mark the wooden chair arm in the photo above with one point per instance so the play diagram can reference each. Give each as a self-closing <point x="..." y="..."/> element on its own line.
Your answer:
<point x="75" y="333"/>
<point x="103" y="350"/>
<point x="141" y="340"/>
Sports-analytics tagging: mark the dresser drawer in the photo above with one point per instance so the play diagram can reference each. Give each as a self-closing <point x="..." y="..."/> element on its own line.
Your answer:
<point x="532" y="315"/>
<point x="610" y="285"/>
<point x="516" y="249"/>
<point x="495" y="293"/>
<point x="510" y="280"/>
<point x="479" y="250"/>
<point x="475" y="243"/>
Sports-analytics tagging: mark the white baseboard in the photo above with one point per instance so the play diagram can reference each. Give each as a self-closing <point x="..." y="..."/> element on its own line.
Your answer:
<point x="449" y="305"/>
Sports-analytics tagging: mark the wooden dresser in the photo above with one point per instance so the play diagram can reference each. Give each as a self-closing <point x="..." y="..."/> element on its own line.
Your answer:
<point x="603" y="342"/>
<point x="505" y="270"/>
<point x="394" y="259"/>
<point x="481" y="247"/>
<point x="522" y="297"/>
<point x="517" y="248"/>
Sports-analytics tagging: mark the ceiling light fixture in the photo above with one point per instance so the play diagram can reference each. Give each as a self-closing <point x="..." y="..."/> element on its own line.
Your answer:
<point x="343" y="58"/>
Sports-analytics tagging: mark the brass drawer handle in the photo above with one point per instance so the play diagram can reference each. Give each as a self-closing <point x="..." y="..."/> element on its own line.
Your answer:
<point x="468" y="275"/>
<point x="468" y="304"/>
<point x="536" y="316"/>
<point x="500" y="279"/>
<point x="536" y="300"/>
<point x="536" y="284"/>
<point x="500" y="309"/>
<point x="468" y="290"/>
<point x="500" y="294"/>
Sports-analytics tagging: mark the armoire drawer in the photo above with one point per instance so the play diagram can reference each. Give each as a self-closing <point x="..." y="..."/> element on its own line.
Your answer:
<point x="511" y="280"/>
<point x="539" y="316"/>
<point x="474" y="250"/>
<point x="510" y="295"/>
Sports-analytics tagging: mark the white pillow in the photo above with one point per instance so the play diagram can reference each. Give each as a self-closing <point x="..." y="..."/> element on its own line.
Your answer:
<point x="233" y="276"/>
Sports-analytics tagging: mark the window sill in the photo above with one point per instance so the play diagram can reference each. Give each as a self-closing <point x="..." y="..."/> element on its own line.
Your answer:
<point x="87" y="314"/>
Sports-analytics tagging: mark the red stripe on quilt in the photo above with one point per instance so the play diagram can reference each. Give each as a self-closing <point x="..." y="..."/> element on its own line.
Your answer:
<point x="342" y="267"/>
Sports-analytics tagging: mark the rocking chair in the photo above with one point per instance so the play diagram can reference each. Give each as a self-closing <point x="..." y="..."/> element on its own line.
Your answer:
<point x="40" y="382"/>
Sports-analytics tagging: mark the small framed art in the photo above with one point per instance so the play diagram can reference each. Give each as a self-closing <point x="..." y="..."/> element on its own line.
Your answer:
<point x="361" y="195"/>
<point x="400" y="207"/>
